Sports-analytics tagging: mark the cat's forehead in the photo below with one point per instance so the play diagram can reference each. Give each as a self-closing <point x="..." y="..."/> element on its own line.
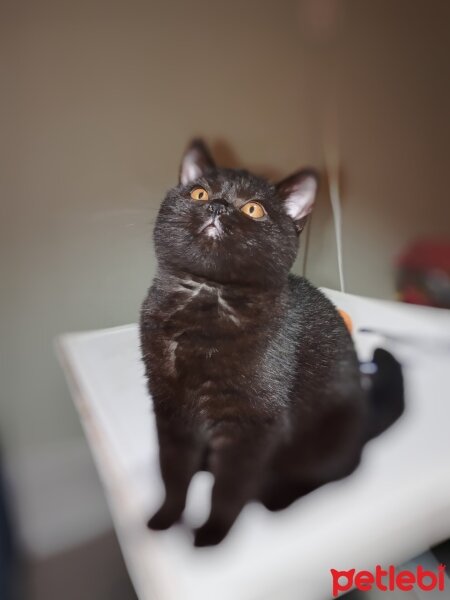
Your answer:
<point x="231" y="182"/>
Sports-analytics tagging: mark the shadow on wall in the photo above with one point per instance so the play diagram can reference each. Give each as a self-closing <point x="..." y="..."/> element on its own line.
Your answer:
<point x="226" y="156"/>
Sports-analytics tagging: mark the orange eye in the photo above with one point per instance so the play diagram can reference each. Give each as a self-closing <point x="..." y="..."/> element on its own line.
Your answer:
<point x="199" y="193"/>
<point x="254" y="210"/>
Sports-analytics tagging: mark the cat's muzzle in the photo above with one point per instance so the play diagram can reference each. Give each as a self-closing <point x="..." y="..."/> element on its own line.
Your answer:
<point x="212" y="227"/>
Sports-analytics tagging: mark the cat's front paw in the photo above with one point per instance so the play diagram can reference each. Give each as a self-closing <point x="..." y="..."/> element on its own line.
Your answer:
<point x="210" y="534"/>
<point x="164" y="518"/>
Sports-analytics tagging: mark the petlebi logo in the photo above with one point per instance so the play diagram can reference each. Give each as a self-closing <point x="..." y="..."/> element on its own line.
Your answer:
<point x="388" y="580"/>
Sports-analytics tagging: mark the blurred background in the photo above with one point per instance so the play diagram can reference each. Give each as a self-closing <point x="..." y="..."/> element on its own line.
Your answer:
<point x="98" y="102"/>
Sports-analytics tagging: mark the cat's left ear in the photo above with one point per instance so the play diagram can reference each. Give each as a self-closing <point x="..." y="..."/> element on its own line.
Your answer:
<point x="195" y="162"/>
<point x="298" y="194"/>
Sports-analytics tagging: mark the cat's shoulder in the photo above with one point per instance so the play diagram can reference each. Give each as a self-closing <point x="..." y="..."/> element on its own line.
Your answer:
<point x="155" y="297"/>
<point x="300" y="286"/>
<point x="303" y="294"/>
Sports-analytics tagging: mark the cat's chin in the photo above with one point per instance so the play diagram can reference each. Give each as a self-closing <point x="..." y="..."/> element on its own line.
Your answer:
<point x="212" y="232"/>
<point x="211" y="229"/>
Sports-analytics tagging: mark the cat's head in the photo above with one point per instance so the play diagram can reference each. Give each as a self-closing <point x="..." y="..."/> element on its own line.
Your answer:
<point x="230" y="226"/>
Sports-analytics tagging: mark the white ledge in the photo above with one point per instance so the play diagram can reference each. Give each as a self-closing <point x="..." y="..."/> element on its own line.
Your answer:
<point x="393" y="507"/>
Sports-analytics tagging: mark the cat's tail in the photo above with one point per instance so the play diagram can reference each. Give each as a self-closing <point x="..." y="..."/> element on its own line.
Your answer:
<point x="384" y="381"/>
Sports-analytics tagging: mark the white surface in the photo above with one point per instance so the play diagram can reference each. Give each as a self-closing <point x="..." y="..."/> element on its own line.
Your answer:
<point x="393" y="507"/>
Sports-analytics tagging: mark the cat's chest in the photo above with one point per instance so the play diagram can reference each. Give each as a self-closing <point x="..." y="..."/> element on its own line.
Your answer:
<point x="195" y="305"/>
<point x="202" y="325"/>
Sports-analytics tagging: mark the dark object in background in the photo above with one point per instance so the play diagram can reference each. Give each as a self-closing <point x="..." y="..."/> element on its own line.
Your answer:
<point x="423" y="274"/>
<point x="252" y="370"/>
<point x="7" y="553"/>
<point x="386" y="392"/>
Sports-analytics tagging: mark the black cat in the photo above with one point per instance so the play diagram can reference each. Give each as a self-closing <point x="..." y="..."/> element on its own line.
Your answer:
<point x="252" y="371"/>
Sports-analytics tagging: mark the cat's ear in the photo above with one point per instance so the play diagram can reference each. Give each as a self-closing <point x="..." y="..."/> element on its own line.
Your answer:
<point x="195" y="162"/>
<point x="298" y="194"/>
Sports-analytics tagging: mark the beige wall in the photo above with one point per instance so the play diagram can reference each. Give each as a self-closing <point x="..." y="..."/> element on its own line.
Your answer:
<point x="100" y="99"/>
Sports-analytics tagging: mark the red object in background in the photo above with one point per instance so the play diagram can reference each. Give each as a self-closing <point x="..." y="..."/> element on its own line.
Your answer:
<point x="423" y="274"/>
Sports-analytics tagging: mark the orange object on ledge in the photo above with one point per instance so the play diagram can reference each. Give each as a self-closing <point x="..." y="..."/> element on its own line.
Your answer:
<point x="347" y="319"/>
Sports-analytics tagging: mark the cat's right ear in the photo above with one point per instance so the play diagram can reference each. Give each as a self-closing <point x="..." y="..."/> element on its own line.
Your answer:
<point x="298" y="194"/>
<point x="195" y="162"/>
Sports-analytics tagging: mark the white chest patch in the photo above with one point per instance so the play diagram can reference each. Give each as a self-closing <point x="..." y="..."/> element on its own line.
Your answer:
<point x="226" y="310"/>
<point x="191" y="289"/>
<point x="171" y="356"/>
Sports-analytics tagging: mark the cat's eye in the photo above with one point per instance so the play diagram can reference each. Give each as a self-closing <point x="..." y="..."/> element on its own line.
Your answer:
<point x="199" y="193"/>
<point x="255" y="210"/>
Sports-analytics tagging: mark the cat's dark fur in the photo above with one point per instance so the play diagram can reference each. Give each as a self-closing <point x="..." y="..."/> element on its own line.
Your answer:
<point x="252" y="371"/>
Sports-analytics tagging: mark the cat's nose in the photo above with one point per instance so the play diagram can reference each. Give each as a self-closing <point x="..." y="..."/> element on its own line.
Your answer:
<point x="218" y="207"/>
